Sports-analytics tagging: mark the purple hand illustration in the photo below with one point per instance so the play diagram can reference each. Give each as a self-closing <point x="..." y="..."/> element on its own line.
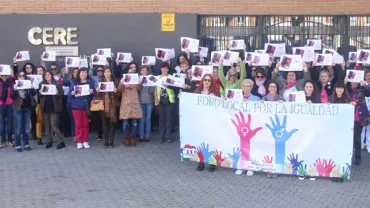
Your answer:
<point x="294" y="162"/>
<point x="246" y="133"/>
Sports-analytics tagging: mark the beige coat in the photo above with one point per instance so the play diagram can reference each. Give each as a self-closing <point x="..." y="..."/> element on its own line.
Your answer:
<point x="130" y="106"/>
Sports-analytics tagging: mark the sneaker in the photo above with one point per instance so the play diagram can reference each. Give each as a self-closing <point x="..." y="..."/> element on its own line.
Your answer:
<point x="28" y="148"/>
<point x="312" y="178"/>
<point x="250" y="173"/>
<point x="19" y="149"/>
<point x="100" y="137"/>
<point x="301" y="177"/>
<point x="79" y="146"/>
<point x="239" y="172"/>
<point x="86" y="145"/>
<point x="61" y="145"/>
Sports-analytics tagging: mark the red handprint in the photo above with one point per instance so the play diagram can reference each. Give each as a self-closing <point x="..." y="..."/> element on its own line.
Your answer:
<point x="200" y="155"/>
<point x="323" y="167"/>
<point x="246" y="134"/>
<point x="267" y="159"/>
<point x="218" y="157"/>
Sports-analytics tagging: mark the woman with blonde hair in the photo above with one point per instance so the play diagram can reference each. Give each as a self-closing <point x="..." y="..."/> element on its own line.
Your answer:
<point x="232" y="82"/>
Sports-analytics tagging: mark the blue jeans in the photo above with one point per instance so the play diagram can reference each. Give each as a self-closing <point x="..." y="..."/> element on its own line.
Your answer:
<point x="125" y="127"/>
<point x="145" y="121"/>
<point x="6" y="121"/>
<point x="22" y="123"/>
<point x="69" y="109"/>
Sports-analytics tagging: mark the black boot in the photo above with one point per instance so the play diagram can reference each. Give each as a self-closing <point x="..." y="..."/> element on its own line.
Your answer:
<point x="200" y="167"/>
<point x="48" y="145"/>
<point x="212" y="168"/>
<point x="61" y="145"/>
<point x="39" y="141"/>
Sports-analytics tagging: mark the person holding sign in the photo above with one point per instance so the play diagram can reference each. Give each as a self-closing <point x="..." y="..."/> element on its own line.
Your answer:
<point x="50" y="108"/>
<point x="272" y="92"/>
<point x="130" y="108"/>
<point x="111" y="103"/>
<point x="81" y="108"/>
<point x="23" y="103"/>
<point x="147" y="94"/>
<point x="68" y="79"/>
<point x="357" y="92"/>
<point x="6" y="110"/>
<point x="233" y="82"/>
<point x="290" y="84"/>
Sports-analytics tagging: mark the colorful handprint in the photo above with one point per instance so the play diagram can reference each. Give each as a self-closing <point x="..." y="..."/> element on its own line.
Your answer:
<point x="200" y="155"/>
<point x="302" y="170"/>
<point x="206" y="154"/>
<point x="218" y="156"/>
<point x="246" y="133"/>
<point x="267" y="160"/>
<point x="324" y="168"/>
<point x="294" y="162"/>
<point x="281" y="135"/>
<point x="235" y="156"/>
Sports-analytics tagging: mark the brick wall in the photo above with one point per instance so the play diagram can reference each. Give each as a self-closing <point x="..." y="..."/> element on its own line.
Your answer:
<point x="186" y="6"/>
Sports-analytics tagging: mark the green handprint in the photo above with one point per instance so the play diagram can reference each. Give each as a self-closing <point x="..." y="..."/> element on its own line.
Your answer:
<point x="212" y="160"/>
<point x="346" y="172"/>
<point x="302" y="170"/>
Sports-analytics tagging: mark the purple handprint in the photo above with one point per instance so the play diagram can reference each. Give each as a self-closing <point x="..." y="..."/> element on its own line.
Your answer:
<point x="235" y="156"/>
<point x="294" y="163"/>
<point x="205" y="151"/>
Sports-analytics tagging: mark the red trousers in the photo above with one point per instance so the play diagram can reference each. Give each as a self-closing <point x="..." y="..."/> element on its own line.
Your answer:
<point x="81" y="125"/>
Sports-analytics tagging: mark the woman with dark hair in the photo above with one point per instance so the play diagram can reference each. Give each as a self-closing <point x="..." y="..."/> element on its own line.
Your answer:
<point x="181" y="58"/>
<point x="39" y="119"/>
<point x="357" y="92"/>
<point x="130" y="109"/>
<point x="80" y="108"/>
<point x="111" y="103"/>
<point x="272" y="93"/>
<point x="23" y="102"/>
<point x="339" y="94"/>
<point x="310" y="90"/>
<point x="261" y="80"/>
<point x="68" y="79"/>
<point x="50" y="108"/>
<point x="6" y="110"/>
<point x="206" y="87"/>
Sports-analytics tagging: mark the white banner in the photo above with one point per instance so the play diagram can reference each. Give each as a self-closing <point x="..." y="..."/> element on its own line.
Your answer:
<point x="314" y="43"/>
<point x="324" y="59"/>
<point x="198" y="71"/>
<point x="307" y="53"/>
<point x="189" y="43"/>
<point x="275" y="50"/>
<point x="291" y="63"/>
<point x="267" y="136"/>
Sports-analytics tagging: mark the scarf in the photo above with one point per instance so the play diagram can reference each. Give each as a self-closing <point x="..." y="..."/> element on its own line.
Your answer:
<point x="261" y="87"/>
<point x="272" y="97"/>
<point x="109" y="107"/>
<point x="290" y="84"/>
<point x="4" y="92"/>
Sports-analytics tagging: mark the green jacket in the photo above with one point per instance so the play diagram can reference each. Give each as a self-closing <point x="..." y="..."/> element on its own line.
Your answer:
<point x="226" y="83"/>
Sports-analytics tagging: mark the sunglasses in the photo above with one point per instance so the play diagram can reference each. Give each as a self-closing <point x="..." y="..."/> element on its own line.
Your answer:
<point x="21" y="76"/>
<point x="232" y="75"/>
<point x="207" y="80"/>
<point x="260" y="76"/>
<point x="100" y="70"/>
<point x="254" y="70"/>
<point x="29" y="67"/>
<point x="53" y="69"/>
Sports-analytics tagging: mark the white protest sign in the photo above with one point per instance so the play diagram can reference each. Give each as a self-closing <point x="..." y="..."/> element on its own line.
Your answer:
<point x="324" y="59"/>
<point x="337" y="58"/>
<point x="234" y="94"/>
<point x="202" y="51"/>
<point x="124" y="57"/>
<point x="82" y="90"/>
<point x="48" y="56"/>
<point x="148" y="60"/>
<point x="316" y="43"/>
<point x="48" y="89"/>
<point x="130" y="79"/>
<point x="355" y="75"/>
<point x="22" y="56"/>
<point x="275" y="50"/>
<point x="297" y="97"/>
<point x="65" y="90"/>
<point x="84" y="63"/>
<point x="216" y="57"/>
<point x="352" y="57"/>
<point x="291" y="63"/>
<point x="164" y="54"/>
<point x="72" y="62"/>
<point x="98" y="59"/>
<point x="363" y="56"/>
<point x="189" y="43"/>
<point x="198" y="71"/>
<point x="259" y="59"/>
<point x="35" y="80"/>
<point x="307" y="53"/>
<point x="106" y="52"/>
<point x="236" y="44"/>
<point x="23" y="84"/>
<point x="173" y="81"/>
<point x="5" y="70"/>
<point x="149" y="80"/>
<point x="106" y="86"/>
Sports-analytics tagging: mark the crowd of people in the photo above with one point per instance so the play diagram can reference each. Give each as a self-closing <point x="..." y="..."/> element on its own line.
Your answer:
<point x="132" y="105"/>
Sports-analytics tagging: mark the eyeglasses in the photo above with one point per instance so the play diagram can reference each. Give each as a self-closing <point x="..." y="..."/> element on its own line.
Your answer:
<point x="253" y="70"/>
<point x="260" y="76"/>
<point x="232" y="75"/>
<point x="53" y="69"/>
<point x="207" y="80"/>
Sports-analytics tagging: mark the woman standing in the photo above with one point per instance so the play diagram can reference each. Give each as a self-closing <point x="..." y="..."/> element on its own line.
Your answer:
<point x="50" y="107"/>
<point x="111" y="103"/>
<point x="80" y="108"/>
<point x="311" y="92"/>
<point x="23" y="103"/>
<point x="261" y="80"/>
<point x="68" y="80"/>
<point x="39" y="71"/>
<point x="6" y="110"/>
<point x="130" y="108"/>
<point x="146" y="97"/>
<point x="272" y="93"/>
<point x="232" y="82"/>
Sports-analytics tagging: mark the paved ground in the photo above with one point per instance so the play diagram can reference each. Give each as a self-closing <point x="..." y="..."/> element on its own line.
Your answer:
<point x="151" y="175"/>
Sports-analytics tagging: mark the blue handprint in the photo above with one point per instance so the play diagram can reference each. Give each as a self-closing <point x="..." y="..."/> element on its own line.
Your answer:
<point x="294" y="163"/>
<point x="205" y="151"/>
<point x="281" y="135"/>
<point x="235" y="156"/>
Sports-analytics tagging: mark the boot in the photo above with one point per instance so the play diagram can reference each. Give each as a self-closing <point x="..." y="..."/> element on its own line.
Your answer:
<point x="133" y="141"/>
<point x="39" y="141"/>
<point x="126" y="142"/>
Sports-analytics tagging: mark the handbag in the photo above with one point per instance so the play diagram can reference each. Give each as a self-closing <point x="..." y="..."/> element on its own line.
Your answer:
<point x="97" y="104"/>
<point x="88" y="112"/>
